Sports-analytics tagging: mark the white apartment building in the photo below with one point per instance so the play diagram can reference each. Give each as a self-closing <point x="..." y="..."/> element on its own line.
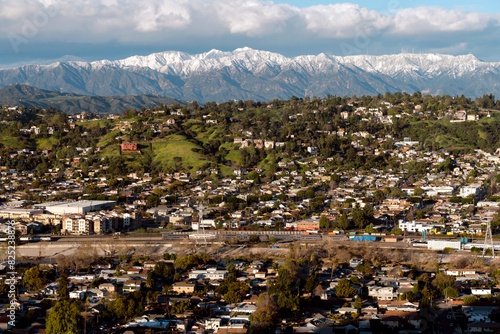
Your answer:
<point x="382" y="292"/>
<point x="414" y="226"/>
<point x="210" y="274"/>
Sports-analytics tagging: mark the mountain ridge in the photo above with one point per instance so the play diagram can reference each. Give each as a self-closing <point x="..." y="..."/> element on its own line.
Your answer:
<point x="19" y="94"/>
<point x="247" y="73"/>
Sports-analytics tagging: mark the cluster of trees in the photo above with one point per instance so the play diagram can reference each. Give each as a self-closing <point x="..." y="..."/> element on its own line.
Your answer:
<point x="190" y="261"/>
<point x="126" y="307"/>
<point x="232" y="290"/>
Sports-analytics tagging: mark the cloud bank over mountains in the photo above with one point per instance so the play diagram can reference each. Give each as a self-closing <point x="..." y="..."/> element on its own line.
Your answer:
<point x="94" y="28"/>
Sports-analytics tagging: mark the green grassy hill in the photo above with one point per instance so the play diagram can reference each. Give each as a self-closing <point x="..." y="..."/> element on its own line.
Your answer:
<point x="22" y="95"/>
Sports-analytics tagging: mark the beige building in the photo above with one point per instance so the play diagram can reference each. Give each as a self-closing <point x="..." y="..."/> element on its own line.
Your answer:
<point x="181" y="287"/>
<point x="381" y="292"/>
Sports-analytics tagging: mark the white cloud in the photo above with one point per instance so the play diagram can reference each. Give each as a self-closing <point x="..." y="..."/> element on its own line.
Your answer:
<point x="252" y="17"/>
<point x="130" y="22"/>
<point x="453" y="49"/>
<point x="343" y="20"/>
<point x="157" y="15"/>
<point x="420" y="20"/>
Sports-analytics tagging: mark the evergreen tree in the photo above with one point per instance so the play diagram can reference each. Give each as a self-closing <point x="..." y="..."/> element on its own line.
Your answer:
<point x="64" y="318"/>
<point x="343" y="222"/>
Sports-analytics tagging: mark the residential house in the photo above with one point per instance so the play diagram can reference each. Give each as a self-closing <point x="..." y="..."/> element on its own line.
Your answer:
<point x="182" y="287"/>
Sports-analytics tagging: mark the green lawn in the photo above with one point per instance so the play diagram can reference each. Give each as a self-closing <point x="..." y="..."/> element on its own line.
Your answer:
<point x="177" y="146"/>
<point x="46" y="143"/>
<point x="11" y="142"/>
<point x="97" y="122"/>
<point x="110" y="151"/>
<point x="105" y="140"/>
<point x="226" y="170"/>
<point x="483" y="134"/>
<point x="164" y="152"/>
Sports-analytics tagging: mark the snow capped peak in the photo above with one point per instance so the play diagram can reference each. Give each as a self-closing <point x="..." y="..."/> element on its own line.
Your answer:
<point x="214" y="53"/>
<point x="246" y="73"/>
<point x="406" y="66"/>
<point x="427" y="64"/>
<point x="249" y="59"/>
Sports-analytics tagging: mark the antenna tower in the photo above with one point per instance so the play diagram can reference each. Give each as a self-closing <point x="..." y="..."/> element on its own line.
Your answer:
<point x="488" y="241"/>
<point x="203" y="236"/>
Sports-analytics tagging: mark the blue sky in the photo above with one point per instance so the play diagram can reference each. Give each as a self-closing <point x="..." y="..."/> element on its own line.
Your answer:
<point x="486" y="6"/>
<point x="42" y="31"/>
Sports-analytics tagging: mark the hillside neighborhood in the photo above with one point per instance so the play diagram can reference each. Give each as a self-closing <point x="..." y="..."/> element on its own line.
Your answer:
<point x="335" y="215"/>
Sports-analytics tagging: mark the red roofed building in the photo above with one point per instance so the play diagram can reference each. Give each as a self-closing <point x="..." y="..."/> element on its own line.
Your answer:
<point x="129" y="146"/>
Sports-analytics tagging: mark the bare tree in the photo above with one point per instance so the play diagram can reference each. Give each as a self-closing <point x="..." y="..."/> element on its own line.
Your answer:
<point x="62" y="262"/>
<point x="344" y="256"/>
<point x="460" y="261"/>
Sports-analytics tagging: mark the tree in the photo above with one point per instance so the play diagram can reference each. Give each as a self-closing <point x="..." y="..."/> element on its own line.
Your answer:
<point x="408" y="295"/>
<point x="233" y="291"/>
<point x="96" y="282"/>
<point x="34" y="279"/>
<point x="369" y="228"/>
<point x="266" y="300"/>
<point x="357" y="303"/>
<point x="64" y="318"/>
<point x="323" y="222"/>
<point x="365" y="268"/>
<point x="181" y="307"/>
<point x="254" y="238"/>
<point x="232" y="297"/>
<point x="170" y="256"/>
<point x="162" y="270"/>
<point x="4" y="290"/>
<point x="152" y="201"/>
<point x="397" y="231"/>
<point x="284" y="291"/>
<point x="450" y="292"/>
<point x="62" y="289"/>
<point x="469" y="300"/>
<point x="418" y="191"/>
<point x="343" y="222"/>
<point x="442" y="281"/>
<point x="379" y="196"/>
<point x="262" y="320"/>
<point x="312" y="282"/>
<point x="309" y="193"/>
<point x="357" y="216"/>
<point x="189" y="261"/>
<point x="367" y="213"/>
<point x="344" y="289"/>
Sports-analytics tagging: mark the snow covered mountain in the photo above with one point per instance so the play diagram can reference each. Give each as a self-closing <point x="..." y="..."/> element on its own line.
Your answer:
<point x="260" y="75"/>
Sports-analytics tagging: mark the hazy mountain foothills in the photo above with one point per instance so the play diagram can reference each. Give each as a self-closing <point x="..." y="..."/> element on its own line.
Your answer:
<point x="70" y="103"/>
<point x="247" y="74"/>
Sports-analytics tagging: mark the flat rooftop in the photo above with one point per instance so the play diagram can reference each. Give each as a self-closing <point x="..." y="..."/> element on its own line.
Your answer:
<point x="81" y="204"/>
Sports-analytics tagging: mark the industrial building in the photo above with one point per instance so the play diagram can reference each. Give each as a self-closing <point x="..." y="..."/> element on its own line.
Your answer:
<point x="442" y="244"/>
<point x="79" y="207"/>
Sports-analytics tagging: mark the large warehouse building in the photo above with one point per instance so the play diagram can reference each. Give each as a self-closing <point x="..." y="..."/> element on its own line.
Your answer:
<point x="442" y="244"/>
<point x="79" y="207"/>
